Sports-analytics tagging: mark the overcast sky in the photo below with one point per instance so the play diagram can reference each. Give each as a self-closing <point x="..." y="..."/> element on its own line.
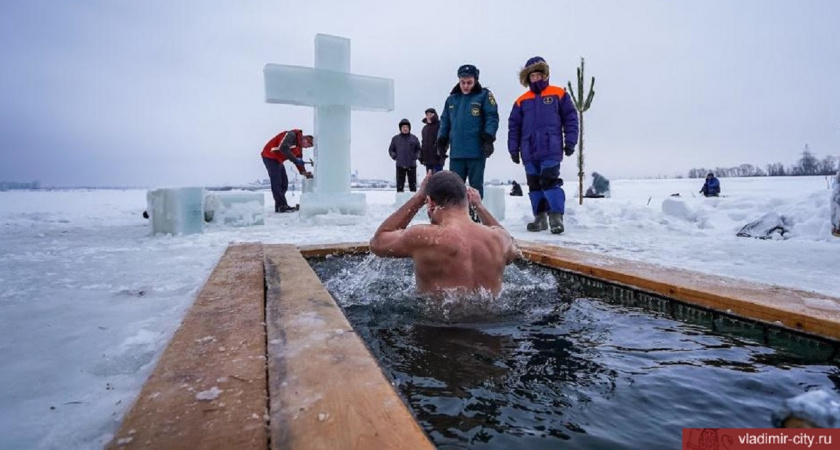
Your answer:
<point x="170" y="93"/>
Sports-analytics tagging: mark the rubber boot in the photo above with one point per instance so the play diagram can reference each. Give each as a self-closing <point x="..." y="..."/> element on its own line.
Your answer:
<point x="555" y="220"/>
<point x="540" y="222"/>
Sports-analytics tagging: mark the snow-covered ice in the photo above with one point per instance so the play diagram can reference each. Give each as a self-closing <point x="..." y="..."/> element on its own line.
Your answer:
<point x="89" y="298"/>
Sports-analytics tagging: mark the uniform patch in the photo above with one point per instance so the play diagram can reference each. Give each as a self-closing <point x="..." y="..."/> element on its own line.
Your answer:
<point x="492" y="99"/>
<point x="475" y="111"/>
<point x="548" y="100"/>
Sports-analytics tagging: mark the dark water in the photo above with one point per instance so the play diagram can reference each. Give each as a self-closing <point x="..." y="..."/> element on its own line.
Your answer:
<point x="549" y="367"/>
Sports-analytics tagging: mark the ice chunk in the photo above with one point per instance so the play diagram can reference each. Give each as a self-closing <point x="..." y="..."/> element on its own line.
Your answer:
<point x="210" y="394"/>
<point x="815" y="408"/>
<point x="314" y="203"/>
<point x="238" y="209"/>
<point x="176" y="211"/>
<point x="677" y="207"/>
<point x="494" y="201"/>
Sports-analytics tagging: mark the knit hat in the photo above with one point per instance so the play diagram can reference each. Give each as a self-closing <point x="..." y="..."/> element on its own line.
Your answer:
<point x="468" y="70"/>
<point x="535" y="64"/>
<point x="431" y="110"/>
<point x="405" y="122"/>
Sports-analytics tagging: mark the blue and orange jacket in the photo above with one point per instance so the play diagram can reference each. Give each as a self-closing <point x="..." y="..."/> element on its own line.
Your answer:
<point x="542" y="124"/>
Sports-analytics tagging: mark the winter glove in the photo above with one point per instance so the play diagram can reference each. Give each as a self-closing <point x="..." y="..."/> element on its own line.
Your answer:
<point x="569" y="150"/>
<point x="442" y="144"/>
<point x="307" y="174"/>
<point x="487" y="144"/>
<point x="298" y="161"/>
<point x="514" y="157"/>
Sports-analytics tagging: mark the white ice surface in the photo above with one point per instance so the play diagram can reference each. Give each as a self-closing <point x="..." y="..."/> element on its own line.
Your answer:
<point x="89" y="299"/>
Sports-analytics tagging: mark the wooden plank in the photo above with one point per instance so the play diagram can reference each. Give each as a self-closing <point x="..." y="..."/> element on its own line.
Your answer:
<point x="220" y="344"/>
<point x="347" y="248"/>
<point x="326" y="389"/>
<point x="810" y="312"/>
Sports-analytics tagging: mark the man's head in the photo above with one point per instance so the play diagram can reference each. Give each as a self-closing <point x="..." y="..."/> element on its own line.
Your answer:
<point x="710" y="175"/>
<point x="307" y="141"/>
<point x="430" y="114"/>
<point x="595" y="174"/>
<point x="446" y="190"/>
<point x="467" y="77"/>
<point x="405" y="126"/>
<point x="535" y="70"/>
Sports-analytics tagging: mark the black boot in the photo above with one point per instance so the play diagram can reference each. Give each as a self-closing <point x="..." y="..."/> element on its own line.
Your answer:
<point x="540" y="222"/>
<point x="555" y="220"/>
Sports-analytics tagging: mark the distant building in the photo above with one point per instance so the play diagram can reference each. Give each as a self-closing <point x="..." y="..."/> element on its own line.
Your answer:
<point x="11" y="185"/>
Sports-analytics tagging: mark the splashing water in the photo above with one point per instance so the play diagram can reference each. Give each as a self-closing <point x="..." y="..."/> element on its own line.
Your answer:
<point x="380" y="282"/>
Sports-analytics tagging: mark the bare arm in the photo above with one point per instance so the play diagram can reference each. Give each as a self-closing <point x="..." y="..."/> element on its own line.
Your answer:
<point x="391" y="239"/>
<point x="475" y="201"/>
<point x="511" y="251"/>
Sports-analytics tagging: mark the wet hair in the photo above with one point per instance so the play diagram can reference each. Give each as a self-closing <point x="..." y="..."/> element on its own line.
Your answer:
<point x="446" y="188"/>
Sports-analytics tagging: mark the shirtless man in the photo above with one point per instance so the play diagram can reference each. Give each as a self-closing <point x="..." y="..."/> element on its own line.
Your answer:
<point x="453" y="253"/>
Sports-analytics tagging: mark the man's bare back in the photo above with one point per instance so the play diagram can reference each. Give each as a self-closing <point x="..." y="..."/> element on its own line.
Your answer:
<point x="452" y="254"/>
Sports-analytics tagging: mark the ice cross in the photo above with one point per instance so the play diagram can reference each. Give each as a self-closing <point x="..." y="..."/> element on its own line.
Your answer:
<point x="334" y="92"/>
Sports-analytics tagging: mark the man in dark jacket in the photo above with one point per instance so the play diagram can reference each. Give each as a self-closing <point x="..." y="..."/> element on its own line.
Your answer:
<point x="430" y="156"/>
<point x="543" y="125"/>
<point x="405" y="149"/>
<point x="711" y="188"/>
<point x="468" y="124"/>
<point x="286" y="146"/>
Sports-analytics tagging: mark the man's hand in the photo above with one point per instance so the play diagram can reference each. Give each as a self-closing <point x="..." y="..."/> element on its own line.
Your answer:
<point x="569" y="150"/>
<point x="473" y="196"/>
<point x="308" y="174"/>
<point x="487" y="144"/>
<point x="422" y="189"/>
<point x="298" y="161"/>
<point x="515" y="158"/>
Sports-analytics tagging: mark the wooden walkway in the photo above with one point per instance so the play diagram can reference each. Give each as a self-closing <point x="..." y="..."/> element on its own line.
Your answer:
<point x="266" y="359"/>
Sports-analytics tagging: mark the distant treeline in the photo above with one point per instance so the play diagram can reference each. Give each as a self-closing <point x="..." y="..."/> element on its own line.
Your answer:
<point x="808" y="164"/>
<point x="8" y="185"/>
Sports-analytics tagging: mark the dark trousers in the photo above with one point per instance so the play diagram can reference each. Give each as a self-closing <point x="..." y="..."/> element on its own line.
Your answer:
<point x="411" y="173"/>
<point x="435" y="168"/>
<point x="471" y="169"/>
<point x="279" y="182"/>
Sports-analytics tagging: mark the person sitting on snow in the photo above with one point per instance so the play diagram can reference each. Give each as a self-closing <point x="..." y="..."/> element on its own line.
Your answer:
<point x="600" y="186"/>
<point x="711" y="188"/>
<point x="516" y="189"/>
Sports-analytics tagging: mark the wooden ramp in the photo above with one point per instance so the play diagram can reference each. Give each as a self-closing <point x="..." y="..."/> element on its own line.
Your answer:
<point x="266" y="359"/>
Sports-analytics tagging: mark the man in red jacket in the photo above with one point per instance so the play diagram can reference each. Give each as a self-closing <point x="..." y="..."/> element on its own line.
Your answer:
<point x="286" y="146"/>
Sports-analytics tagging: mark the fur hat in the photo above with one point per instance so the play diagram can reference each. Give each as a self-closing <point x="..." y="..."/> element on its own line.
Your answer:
<point x="535" y="64"/>
<point x="468" y="70"/>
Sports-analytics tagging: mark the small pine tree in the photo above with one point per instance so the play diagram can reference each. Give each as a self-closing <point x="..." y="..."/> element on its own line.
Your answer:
<point x="582" y="106"/>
